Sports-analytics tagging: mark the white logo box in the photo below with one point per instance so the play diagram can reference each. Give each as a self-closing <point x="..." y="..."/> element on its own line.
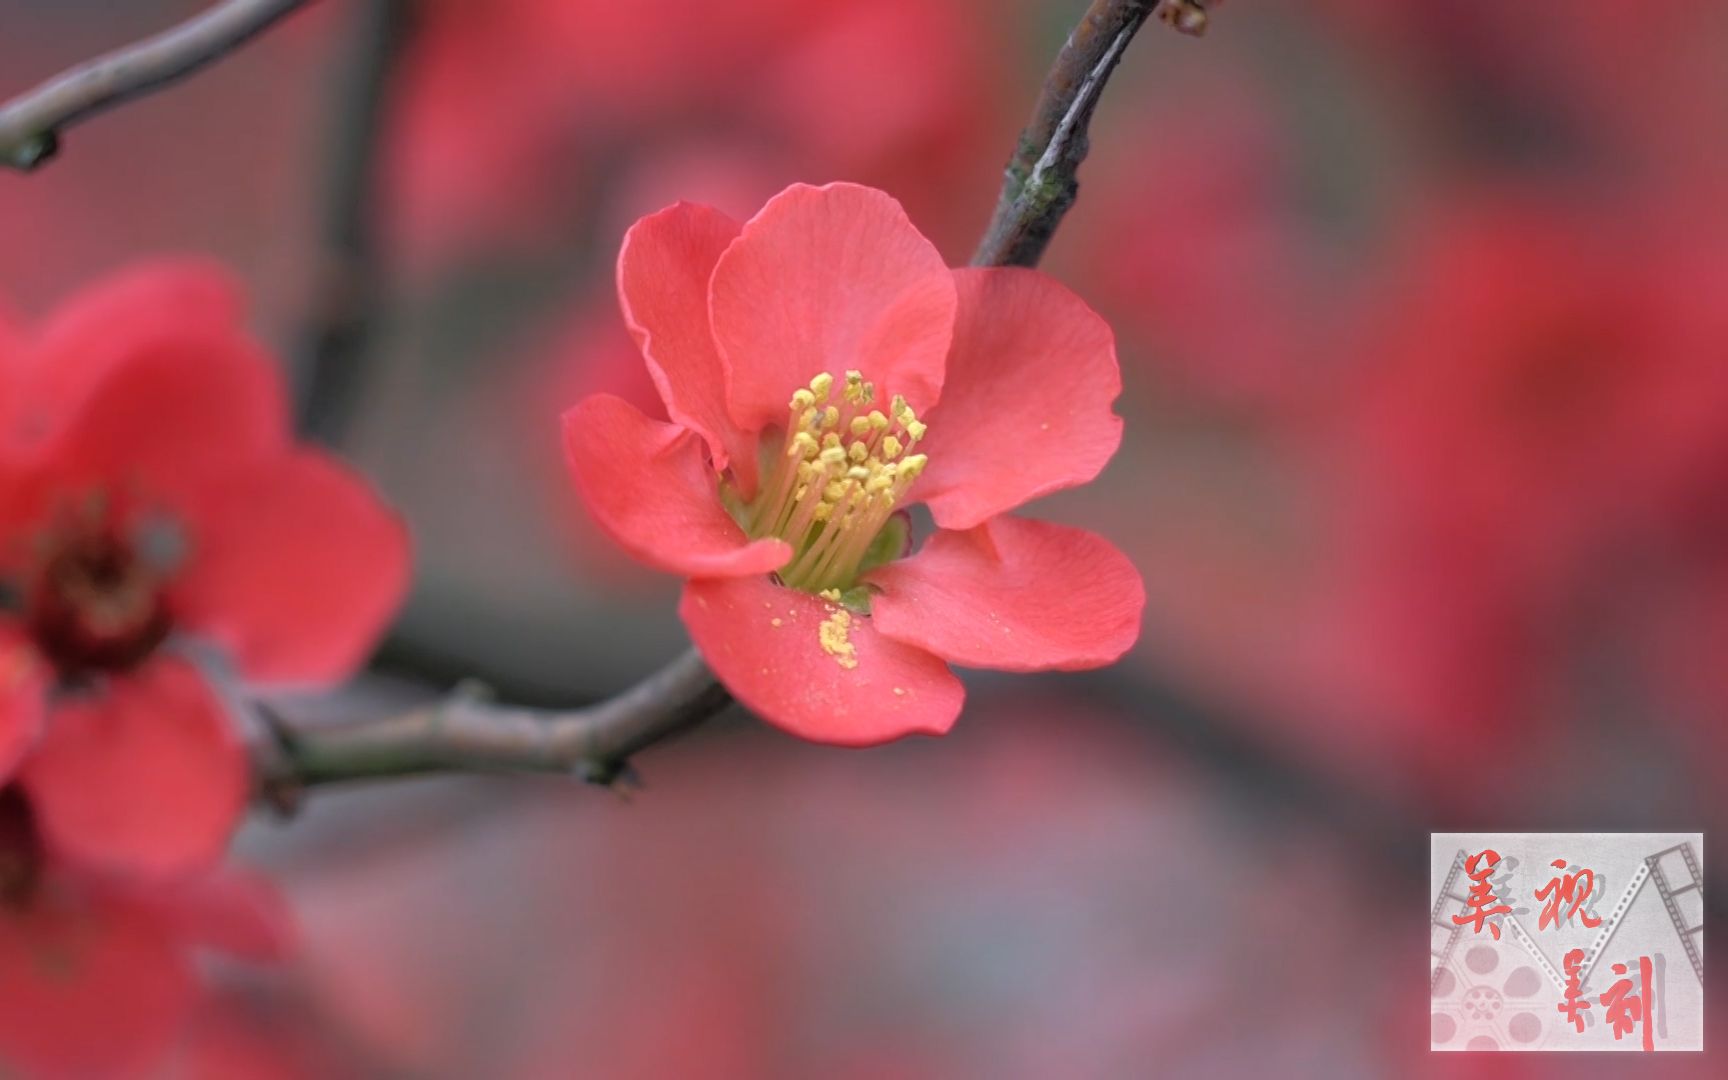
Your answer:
<point x="1644" y="911"/>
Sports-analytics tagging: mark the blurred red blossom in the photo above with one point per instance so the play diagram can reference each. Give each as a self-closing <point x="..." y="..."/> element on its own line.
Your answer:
<point x="773" y="336"/>
<point x="513" y="111"/>
<point x="1535" y="424"/>
<point x="1191" y="240"/>
<point x="153" y="493"/>
<point x="99" y="977"/>
<point x="1613" y="86"/>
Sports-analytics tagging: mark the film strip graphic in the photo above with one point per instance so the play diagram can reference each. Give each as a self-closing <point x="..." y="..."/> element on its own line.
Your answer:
<point x="1523" y="938"/>
<point x="1651" y="870"/>
<point x="1441" y="917"/>
<point x="1690" y="943"/>
<point x="1612" y="923"/>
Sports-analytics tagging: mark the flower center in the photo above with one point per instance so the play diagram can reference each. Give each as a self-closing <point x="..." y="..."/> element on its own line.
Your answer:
<point x="832" y="489"/>
<point x="95" y="600"/>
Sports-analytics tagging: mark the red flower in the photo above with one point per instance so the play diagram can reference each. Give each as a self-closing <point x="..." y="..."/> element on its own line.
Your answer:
<point x="98" y="978"/>
<point x="153" y="493"/>
<point x="509" y="105"/>
<point x="798" y="356"/>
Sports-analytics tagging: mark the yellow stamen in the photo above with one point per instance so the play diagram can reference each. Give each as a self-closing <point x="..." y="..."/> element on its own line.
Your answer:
<point x="858" y="392"/>
<point x="844" y="470"/>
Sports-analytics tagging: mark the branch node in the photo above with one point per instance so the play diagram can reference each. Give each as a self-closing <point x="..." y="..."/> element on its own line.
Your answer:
<point x="279" y="787"/>
<point x="618" y="777"/>
<point x="472" y="692"/>
<point x="1184" y="16"/>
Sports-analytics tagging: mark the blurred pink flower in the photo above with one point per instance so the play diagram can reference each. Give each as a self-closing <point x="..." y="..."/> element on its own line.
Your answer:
<point x="98" y="978"/>
<point x="513" y="109"/>
<point x="151" y="488"/>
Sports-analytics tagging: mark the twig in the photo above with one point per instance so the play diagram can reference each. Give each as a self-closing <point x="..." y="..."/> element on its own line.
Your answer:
<point x="1039" y="183"/>
<point x="350" y="284"/>
<point x="466" y="732"/>
<point x="30" y="125"/>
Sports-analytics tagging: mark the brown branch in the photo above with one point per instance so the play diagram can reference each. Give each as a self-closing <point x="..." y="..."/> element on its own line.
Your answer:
<point x="1039" y="183"/>
<point x="30" y="125"/>
<point x="351" y="281"/>
<point x="466" y="732"/>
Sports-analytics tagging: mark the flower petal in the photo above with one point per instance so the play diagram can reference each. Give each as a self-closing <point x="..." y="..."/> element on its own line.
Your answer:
<point x="764" y="642"/>
<point x="12" y="346"/>
<point x="23" y="695"/>
<point x="1026" y="408"/>
<point x="172" y="410"/>
<point x="829" y="279"/>
<point x="234" y="912"/>
<point x="145" y="776"/>
<point x="663" y="273"/>
<point x="296" y="567"/>
<point x="648" y="487"/>
<point x="1013" y="595"/>
<point x="143" y="308"/>
<point x="92" y="986"/>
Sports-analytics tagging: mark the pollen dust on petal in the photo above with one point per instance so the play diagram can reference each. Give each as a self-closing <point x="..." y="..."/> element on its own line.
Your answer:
<point x="835" y="634"/>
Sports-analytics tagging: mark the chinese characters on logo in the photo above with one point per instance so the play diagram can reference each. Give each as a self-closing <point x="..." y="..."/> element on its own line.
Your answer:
<point x="1560" y="891"/>
<point x="1482" y="899"/>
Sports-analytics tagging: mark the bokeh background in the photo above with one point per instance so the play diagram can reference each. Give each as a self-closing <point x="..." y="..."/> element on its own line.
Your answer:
<point x="1423" y="315"/>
